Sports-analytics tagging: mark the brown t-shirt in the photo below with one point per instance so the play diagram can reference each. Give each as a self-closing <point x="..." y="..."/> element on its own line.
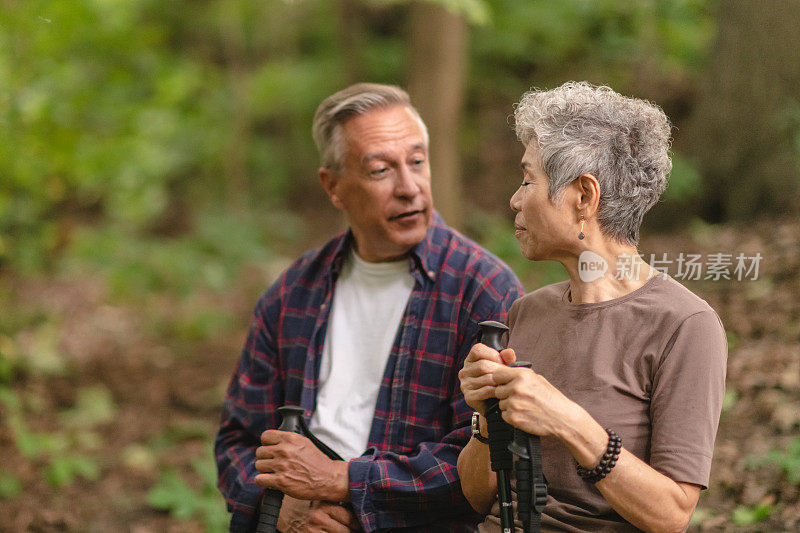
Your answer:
<point x="649" y="365"/>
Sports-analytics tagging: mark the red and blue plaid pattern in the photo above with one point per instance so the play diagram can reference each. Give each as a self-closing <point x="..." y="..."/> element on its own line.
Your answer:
<point x="407" y="477"/>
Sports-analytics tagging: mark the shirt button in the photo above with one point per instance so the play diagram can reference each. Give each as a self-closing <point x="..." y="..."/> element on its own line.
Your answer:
<point x="431" y="273"/>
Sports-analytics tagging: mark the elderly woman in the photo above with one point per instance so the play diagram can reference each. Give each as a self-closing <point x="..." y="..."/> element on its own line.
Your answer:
<point x="616" y="346"/>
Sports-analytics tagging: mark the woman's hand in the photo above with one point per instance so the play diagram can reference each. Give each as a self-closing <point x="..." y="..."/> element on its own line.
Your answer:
<point x="529" y="402"/>
<point x="477" y="383"/>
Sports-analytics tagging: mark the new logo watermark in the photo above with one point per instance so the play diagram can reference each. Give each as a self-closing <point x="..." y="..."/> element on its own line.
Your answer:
<point x="717" y="266"/>
<point x="591" y="266"/>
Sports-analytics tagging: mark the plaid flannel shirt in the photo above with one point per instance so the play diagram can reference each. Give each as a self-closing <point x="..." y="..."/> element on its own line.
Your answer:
<point x="407" y="477"/>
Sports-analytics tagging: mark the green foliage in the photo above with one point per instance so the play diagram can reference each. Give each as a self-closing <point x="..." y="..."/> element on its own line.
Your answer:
<point x="684" y="181"/>
<point x="172" y="493"/>
<point x="136" y="266"/>
<point x="733" y="340"/>
<point x="62" y="451"/>
<point x="63" y="470"/>
<point x="10" y="486"/>
<point x="9" y="360"/>
<point x="42" y="355"/>
<point x="34" y="445"/>
<point x="139" y="457"/>
<point x="98" y="113"/>
<point x="135" y="117"/>
<point x="787" y="460"/>
<point x="93" y="406"/>
<point x="474" y="11"/>
<point x="749" y="515"/>
<point x="543" y="43"/>
<point x="729" y="401"/>
<point x="700" y="515"/>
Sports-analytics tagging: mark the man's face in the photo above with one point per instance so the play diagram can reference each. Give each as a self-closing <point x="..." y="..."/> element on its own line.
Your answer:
<point x="384" y="186"/>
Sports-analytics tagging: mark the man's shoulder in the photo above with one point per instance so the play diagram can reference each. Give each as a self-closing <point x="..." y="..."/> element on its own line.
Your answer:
<point x="318" y="259"/>
<point x="307" y="270"/>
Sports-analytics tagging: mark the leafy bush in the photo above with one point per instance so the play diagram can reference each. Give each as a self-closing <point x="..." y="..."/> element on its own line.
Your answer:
<point x="63" y="452"/>
<point x="749" y="515"/>
<point x="10" y="486"/>
<point x="787" y="460"/>
<point x="172" y="493"/>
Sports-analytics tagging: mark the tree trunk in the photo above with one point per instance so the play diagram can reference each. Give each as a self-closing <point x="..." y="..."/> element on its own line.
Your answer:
<point x="351" y="39"/>
<point x="741" y="131"/>
<point x="239" y="75"/>
<point x="437" y="55"/>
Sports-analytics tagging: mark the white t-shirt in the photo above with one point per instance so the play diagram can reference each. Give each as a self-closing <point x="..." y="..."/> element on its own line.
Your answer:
<point x="368" y="304"/>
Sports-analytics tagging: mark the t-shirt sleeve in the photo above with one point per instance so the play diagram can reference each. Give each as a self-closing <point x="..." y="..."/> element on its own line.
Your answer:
<point x="686" y="399"/>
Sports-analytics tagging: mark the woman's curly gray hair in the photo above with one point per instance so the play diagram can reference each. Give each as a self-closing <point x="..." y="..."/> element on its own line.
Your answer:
<point x="624" y="142"/>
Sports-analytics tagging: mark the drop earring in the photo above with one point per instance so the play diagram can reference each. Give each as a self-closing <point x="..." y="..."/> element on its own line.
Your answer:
<point x="581" y="235"/>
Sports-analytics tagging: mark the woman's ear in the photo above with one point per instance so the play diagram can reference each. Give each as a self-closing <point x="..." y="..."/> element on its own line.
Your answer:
<point x="588" y="194"/>
<point x="330" y="182"/>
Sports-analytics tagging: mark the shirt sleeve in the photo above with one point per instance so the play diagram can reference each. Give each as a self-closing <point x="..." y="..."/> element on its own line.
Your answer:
<point x="250" y="407"/>
<point x="390" y="490"/>
<point x="686" y="400"/>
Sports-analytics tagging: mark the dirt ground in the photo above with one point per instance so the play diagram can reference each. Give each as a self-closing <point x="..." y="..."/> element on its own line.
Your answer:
<point x="166" y="393"/>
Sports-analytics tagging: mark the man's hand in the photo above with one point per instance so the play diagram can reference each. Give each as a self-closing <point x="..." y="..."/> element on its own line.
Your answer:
<point x="477" y="383"/>
<point x="301" y="516"/>
<point x="292" y="464"/>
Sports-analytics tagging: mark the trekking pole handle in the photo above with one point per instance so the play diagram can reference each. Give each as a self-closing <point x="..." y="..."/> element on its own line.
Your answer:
<point x="292" y="419"/>
<point x="500" y="433"/>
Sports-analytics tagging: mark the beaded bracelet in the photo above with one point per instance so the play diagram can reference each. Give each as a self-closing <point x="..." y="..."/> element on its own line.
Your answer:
<point x="607" y="462"/>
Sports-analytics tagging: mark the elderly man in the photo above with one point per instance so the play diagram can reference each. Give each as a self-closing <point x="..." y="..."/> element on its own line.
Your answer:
<point x="366" y="334"/>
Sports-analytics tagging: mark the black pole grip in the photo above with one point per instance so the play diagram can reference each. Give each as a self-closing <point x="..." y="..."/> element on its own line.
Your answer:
<point x="500" y="433"/>
<point x="492" y="334"/>
<point x="291" y="421"/>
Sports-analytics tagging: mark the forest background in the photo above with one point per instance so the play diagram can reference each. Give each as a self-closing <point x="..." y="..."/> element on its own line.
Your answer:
<point x="157" y="172"/>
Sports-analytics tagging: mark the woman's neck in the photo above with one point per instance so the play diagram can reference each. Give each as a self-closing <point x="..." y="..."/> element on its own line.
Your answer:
<point x="606" y="271"/>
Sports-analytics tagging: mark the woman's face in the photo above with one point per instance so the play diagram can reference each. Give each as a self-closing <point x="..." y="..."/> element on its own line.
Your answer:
<point x="542" y="228"/>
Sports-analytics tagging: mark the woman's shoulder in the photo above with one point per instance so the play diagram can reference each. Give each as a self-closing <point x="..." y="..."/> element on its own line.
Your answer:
<point x="669" y="294"/>
<point x="548" y="296"/>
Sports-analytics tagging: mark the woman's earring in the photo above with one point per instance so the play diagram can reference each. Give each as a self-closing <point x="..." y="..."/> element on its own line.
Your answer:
<point x="581" y="234"/>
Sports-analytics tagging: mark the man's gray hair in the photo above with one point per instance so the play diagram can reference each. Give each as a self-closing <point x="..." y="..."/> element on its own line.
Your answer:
<point x="624" y="142"/>
<point x="349" y="103"/>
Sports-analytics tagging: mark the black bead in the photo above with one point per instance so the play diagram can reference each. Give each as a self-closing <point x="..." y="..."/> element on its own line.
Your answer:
<point x="607" y="462"/>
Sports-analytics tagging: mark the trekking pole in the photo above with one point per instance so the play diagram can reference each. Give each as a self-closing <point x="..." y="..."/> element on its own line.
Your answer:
<point x="273" y="498"/>
<point x="500" y="433"/>
<point x="293" y="422"/>
<point x="531" y="484"/>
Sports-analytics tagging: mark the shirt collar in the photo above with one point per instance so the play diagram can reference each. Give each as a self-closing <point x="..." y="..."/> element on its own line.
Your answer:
<point x="422" y="256"/>
<point x="427" y="251"/>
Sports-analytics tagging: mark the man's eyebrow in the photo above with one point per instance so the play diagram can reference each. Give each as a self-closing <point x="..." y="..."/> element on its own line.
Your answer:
<point x="383" y="155"/>
<point x="373" y="156"/>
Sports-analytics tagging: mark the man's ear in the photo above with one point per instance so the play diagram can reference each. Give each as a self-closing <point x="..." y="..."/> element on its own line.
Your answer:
<point x="330" y="182"/>
<point x="588" y="189"/>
